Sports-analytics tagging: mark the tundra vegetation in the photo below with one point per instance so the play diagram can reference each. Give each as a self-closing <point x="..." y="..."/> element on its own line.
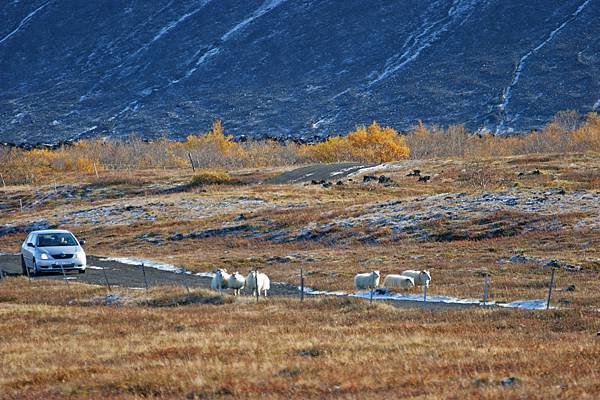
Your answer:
<point x="215" y="150"/>
<point x="509" y="207"/>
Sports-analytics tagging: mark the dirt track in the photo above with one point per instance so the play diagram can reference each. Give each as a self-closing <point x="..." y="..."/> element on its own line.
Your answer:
<point x="318" y="172"/>
<point x="126" y="275"/>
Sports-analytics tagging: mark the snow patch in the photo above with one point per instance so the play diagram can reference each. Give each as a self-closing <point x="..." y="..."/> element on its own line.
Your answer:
<point x="427" y="34"/>
<point x="267" y="6"/>
<point x="94" y="267"/>
<point x="523" y="304"/>
<point x="526" y="304"/>
<point x="147" y="263"/>
<point x="23" y="22"/>
<point x="506" y="93"/>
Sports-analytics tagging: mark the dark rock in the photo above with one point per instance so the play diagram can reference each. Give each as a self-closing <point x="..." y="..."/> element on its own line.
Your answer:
<point x="368" y="178"/>
<point x="339" y="183"/>
<point x="327" y="184"/>
<point x="240" y="217"/>
<point x="384" y="179"/>
<point x="570" y="288"/>
<point x="424" y="178"/>
<point x="176" y="189"/>
<point x="34" y="226"/>
<point x="415" y="172"/>
<point x="314" y="182"/>
<point x="509" y="381"/>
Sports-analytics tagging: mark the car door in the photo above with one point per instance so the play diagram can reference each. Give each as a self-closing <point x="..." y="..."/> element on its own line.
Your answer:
<point x="28" y="251"/>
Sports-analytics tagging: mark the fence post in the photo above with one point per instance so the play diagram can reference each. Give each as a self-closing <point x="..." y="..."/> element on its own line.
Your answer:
<point x="485" y="287"/>
<point x="106" y="279"/>
<point x="550" y="289"/>
<point x="2" y="179"/>
<point x="96" y="170"/>
<point x="21" y="204"/>
<point x="220" y="282"/>
<point x="144" y="272"/>
<point x="424" y="294"/>
<point x="65" y="276"/>
<point x="185" y="281"/>
<point x="256" y="284"/>
<point x="301" y="284"/>
<point x="191" y="162"/>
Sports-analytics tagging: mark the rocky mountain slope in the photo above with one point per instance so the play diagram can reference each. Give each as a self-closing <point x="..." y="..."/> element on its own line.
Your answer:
<point x="71" y="69"/>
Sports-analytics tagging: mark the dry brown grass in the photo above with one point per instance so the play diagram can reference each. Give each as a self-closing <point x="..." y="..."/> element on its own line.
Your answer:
<point x="322" y="348"/>
<point x="69" y="343"/>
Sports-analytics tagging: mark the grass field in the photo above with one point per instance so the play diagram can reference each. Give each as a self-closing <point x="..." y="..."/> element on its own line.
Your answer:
<point x="284" y="349"/>
<point x="472" y="217"/>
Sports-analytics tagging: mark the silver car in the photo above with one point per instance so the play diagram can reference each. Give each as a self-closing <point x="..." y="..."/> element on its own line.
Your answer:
<point x="52" y="250"/>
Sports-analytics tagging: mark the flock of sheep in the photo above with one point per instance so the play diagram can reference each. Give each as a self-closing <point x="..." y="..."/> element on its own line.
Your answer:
<point x="406" y="279"/>
<point x="236" y="281"/>
<point x="258" y="281"/>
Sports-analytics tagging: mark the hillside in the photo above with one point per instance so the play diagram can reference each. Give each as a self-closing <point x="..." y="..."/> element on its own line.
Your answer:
<point x="73" y="69"/>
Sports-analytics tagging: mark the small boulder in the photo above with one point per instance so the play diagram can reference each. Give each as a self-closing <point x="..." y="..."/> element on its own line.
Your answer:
<point x="509" y="381"/>
<point x="424" y="178"/>
<point x="415" y="172"/>
<point x="368" y="178"/>
<point x="384" y="179"/>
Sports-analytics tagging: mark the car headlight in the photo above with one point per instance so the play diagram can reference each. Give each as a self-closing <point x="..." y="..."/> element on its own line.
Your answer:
<point x="44" y="256"/>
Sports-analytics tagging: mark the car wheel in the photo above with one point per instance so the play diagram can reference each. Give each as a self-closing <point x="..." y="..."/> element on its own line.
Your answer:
<point x="23" y="266"/>
<point x="35" y="269"/>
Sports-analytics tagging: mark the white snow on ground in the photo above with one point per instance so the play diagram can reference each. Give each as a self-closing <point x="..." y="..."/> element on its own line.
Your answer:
<point x="379" y="167"/>
<point x="506" y="94"/>
<point x="526" y="304"/>
<point x="8" y="254"/>
<point x="23" y="22"/>
<point x="156" y="265"/>
<point x="259" y="12"/>
<point x="94" y="267"/>
<point x="344" y="170"/>
<point x="523" y="304"/>
<point x="147" y="263"/>
<point x="427" y="34"/>
<point x="205" y="274"/>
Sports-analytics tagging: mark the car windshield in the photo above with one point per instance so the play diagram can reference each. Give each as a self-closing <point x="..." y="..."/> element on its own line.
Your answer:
<point x="56" y="239"/>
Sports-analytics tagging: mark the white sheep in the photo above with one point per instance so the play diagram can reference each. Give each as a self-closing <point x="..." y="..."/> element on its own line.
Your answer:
<point x="220" y="280"/>
<point x="369" y="280"/>
<point x="398" y="282"/>
<point x="422" y="278"/>
<point x="264" y="283"/>
<point x="236" y="282"/>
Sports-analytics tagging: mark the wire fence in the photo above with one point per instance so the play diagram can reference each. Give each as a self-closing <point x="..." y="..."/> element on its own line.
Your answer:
<point x="113" y="279"/>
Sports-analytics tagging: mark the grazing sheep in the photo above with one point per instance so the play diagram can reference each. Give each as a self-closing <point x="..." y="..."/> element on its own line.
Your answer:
<point x="369" y="280"/>
<point x="398" y="282"/>
<point x="220" y="280"/>
<point x="422" y="278"/>
<point x="236" y="282"/>
<point x="264" y="283"/>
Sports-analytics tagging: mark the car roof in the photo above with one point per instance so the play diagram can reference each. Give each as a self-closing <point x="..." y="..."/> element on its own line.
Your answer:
<point x="51" y="231"/>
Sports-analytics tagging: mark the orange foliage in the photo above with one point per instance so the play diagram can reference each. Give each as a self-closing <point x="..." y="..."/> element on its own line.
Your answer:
<point x="366" y="144"/>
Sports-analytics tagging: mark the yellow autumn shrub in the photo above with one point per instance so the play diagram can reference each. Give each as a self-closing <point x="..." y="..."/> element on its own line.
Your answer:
<point x="366" y="144"/>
